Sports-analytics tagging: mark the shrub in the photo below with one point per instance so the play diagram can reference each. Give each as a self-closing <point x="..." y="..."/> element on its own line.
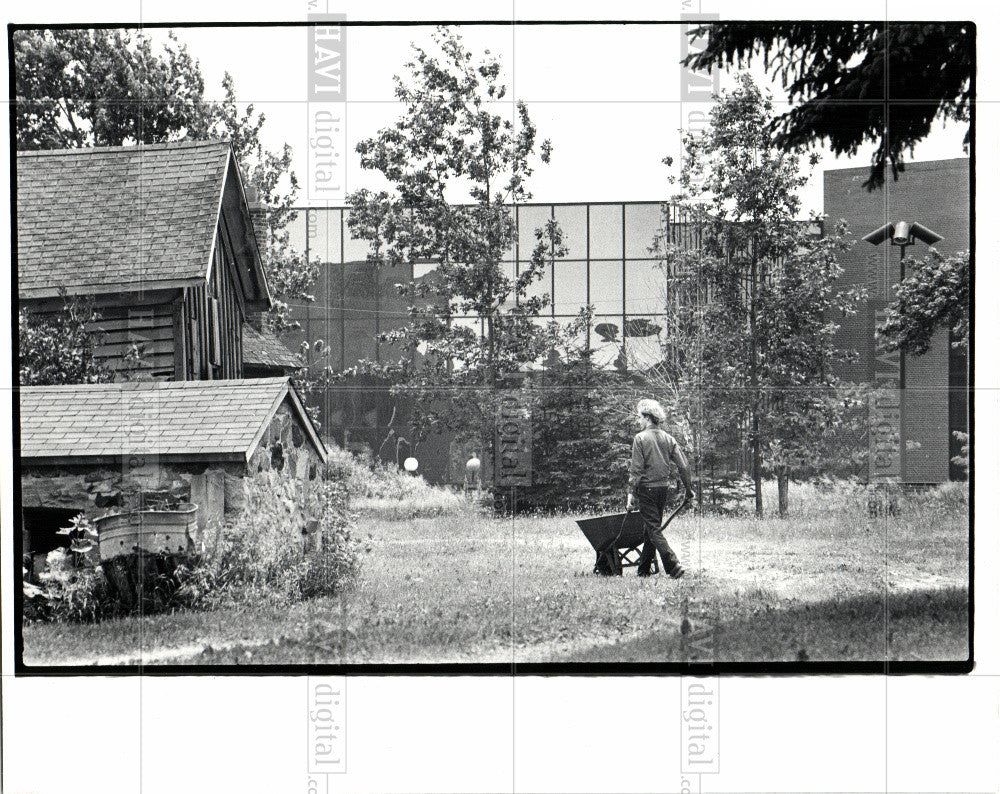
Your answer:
<point x="732" y="495"/>
<point x="260" y="555"/>
<point x="34" y="601"/>
<point x="581" y="441"/>
<point x="381" y="488"/>
<point x="71" y="586"/>
<point x="961" y="460"/>
<point x="947" y="499"/>
<point x="363" y="476"/>
<point x="59" y="348"/>
<point x="334" y="561"/>
<point x="71" y="589"/>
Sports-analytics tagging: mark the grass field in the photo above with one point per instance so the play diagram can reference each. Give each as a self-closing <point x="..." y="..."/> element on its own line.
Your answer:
<point x="827" y="583"/>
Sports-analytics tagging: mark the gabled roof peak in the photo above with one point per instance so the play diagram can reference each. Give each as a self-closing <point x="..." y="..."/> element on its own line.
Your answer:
<point x="122" y="219"/>
<point x="174" y="419"/>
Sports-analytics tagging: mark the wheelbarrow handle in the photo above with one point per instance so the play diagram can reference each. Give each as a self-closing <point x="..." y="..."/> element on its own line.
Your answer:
<point x="684" y="503"/>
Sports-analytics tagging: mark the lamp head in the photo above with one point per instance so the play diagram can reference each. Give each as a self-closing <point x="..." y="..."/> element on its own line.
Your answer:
<point x="901" y="233"/>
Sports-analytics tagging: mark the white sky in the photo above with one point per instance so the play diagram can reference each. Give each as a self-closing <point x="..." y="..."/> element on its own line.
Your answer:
<point x="608" y="97"/>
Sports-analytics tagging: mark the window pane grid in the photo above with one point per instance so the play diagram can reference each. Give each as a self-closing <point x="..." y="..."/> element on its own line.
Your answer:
<point x="608" y="266"/>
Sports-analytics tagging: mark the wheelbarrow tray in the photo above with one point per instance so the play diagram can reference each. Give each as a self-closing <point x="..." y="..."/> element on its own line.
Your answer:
<point x="602" y="531"/>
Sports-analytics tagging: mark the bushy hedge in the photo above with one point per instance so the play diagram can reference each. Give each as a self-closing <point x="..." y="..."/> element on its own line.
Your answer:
<point x="69" y="589"/>
<point x="581" y="443"/>
<point x="70" y="586"/>
<point x="293" y="541"/>
<point x="382" y="489"/>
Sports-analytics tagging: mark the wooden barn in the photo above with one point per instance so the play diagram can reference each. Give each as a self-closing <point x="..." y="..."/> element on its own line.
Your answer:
<point x="91" y="448"/>
<point x="160" y="237"/>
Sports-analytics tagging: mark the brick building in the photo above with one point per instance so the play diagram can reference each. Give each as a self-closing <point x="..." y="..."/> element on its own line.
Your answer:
<point x="935" y="400"/>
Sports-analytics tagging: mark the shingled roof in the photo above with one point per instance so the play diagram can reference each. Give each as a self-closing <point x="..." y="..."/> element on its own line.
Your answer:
<point x="262" y="349"/>
<point x="189" y="420"/>
<point x="118" y="218"/>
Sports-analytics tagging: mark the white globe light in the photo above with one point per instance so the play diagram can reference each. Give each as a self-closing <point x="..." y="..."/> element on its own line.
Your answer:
<point x="410" y="464"/>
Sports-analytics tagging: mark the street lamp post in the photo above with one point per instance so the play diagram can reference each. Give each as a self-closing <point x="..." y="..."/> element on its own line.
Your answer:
<point x="902" y="234"/>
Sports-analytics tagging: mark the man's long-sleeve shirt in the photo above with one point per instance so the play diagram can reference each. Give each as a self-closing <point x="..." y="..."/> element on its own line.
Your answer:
<point x="652" y="449"/>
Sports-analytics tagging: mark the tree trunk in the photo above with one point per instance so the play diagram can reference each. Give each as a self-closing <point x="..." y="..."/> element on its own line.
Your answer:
<point x="758" y="492"/>
<point x="782" y="491"/>
<point x="755" y="391"/>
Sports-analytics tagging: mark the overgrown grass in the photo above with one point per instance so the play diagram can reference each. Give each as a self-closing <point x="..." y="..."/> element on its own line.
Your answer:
<point x="830" y="582"/>
<point x="293" y="540"/>
<point x="381" y="490"/>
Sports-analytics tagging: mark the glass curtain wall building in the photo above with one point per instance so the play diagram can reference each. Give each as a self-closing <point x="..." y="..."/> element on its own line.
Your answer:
<point x="609" y="265"/>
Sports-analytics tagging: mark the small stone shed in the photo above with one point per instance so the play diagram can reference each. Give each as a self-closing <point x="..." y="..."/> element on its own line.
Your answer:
<point x="93" y="448"/>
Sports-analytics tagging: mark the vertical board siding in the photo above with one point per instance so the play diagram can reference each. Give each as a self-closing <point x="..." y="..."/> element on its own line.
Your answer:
<point x="230" y="313"/>
<point x="208" y="324"/>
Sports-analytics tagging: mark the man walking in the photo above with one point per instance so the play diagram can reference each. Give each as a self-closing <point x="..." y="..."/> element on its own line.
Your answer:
<point x="649" y="484"/>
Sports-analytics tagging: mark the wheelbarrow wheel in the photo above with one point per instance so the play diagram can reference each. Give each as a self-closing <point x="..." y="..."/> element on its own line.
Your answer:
<point x="608" y="563"/>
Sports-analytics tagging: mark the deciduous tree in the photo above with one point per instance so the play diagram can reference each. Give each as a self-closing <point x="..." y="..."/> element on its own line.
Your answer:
<point x="59" y="348"/>
<point x="115" y="87"/>
<point x="456" y="162"/>
<point x="937" y="295"/>
<point x="752" y="311"/>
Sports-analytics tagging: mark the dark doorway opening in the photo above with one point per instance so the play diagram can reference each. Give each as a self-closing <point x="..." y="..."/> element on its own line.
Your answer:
<point x="41" y="535"/>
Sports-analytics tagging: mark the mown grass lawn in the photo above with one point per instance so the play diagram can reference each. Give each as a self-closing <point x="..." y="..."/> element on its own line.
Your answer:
<point x="827" y="583"/>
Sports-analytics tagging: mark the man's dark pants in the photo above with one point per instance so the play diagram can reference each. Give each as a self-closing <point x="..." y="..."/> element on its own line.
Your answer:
<point x="652" y="501"/>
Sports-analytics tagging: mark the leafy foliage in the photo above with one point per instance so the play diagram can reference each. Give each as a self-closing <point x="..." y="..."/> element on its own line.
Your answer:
<point x="447" y="147"/>
<point x="71" y="588"/>
<point x="259" y="557"/>
<point x="751" y="312"/>
<point x="936" y="296"/>
<point x="849" y="83"/>
<point x="962" y="459"/>
<point x="382" y="489"/>
<point x="581" y="439"/>
<point x="60" y="348"/>
<point x="106" y="87"/>
<point x="289" y="274"/>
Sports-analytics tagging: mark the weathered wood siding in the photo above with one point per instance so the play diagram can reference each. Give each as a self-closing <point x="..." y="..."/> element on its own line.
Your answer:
<point x="209" y="321"/>
<point x="147" y="327"/>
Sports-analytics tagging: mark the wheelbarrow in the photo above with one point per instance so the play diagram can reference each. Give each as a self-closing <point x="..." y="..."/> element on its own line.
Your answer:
<point x="617" y="539"/>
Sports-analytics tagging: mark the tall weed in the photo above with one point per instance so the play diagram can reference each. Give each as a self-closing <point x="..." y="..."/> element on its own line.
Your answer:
<point x="292" y="541"/>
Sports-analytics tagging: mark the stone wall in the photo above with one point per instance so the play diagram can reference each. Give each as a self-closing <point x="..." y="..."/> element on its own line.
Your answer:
<point x="98" y="490"/>
<point x="219" y="489"/>
<point x="284" y="448"/>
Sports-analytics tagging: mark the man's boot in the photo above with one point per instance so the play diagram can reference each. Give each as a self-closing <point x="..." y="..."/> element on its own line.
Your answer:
<point x="672" y="565"/>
